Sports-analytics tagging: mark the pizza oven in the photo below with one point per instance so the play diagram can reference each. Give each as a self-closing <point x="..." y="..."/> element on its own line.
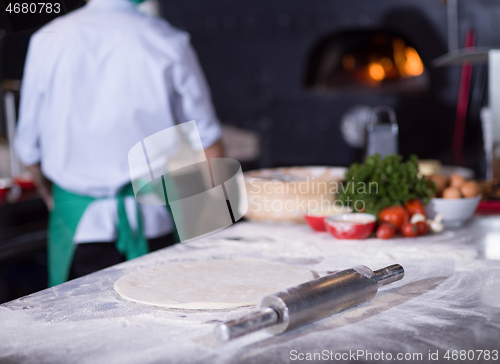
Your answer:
<point x="357" y="60"/>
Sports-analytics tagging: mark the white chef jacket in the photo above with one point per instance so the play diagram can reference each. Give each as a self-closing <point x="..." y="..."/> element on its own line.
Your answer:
<point x="97" y="81"/>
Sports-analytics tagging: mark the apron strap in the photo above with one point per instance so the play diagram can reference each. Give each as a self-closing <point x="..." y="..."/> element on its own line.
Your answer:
<point x="129" y="243"/>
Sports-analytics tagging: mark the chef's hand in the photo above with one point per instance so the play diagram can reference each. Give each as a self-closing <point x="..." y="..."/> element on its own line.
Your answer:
<point x="43" y="185"/>
<point x="216" y="150"/>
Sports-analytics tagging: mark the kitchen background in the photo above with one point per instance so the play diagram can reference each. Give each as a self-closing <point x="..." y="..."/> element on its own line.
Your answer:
<point x="292" y="80"/>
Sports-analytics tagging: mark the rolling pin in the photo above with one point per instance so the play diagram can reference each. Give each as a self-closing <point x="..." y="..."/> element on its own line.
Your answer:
<point x="311" y="301"/>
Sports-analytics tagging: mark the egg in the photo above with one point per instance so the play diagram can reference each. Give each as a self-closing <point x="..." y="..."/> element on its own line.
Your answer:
<point x="452" y="192"/>
<point x="456" y="180"/>
<point x="470" y="189"/>
<point x="440" y="181"/>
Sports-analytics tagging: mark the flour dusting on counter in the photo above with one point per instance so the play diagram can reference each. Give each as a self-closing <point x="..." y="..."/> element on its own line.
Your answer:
<point x="448" y="299"/>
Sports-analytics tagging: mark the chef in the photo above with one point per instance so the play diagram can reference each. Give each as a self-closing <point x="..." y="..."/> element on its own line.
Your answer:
<point x="96" y="82"/>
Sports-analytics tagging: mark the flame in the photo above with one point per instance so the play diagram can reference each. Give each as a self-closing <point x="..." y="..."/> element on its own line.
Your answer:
<point x="414" y="65"/>
<point x="398" y="46"/>
<point x="407" y="59"/>
<point x="378" y="65"/>
<point x="376" y="71"/>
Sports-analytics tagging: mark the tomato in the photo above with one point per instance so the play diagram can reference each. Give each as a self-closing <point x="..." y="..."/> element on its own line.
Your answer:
<point x="415" y="207"/>
<point x="396" y="215"/>
<point x="409" y="230"/>
<point x="422" y="227"/>
<point x="385" y="231"/>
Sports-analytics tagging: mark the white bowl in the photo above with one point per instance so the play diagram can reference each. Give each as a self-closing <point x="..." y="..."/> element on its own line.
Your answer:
<point x="456" y="211"/>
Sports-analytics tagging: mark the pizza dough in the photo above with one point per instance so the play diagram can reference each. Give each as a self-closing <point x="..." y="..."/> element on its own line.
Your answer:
<point x="211" y="284"/>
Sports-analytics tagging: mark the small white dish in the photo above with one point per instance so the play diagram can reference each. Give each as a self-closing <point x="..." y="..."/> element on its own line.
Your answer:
<point x="455" y="211"/>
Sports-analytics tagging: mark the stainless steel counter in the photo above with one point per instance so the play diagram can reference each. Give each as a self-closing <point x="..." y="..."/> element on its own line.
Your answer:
<point x="449" y="300"/>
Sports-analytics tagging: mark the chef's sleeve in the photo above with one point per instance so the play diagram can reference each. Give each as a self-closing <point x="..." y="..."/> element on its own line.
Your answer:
<point x="194" y="100"/>
<point x="26" y="142"/>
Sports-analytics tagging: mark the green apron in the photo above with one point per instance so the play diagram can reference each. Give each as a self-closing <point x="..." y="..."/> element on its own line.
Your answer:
<point x="63" y="221"/>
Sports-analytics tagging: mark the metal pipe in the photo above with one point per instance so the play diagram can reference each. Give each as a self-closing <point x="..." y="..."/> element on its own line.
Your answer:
<point x="453" y="31"/>
<point x="10" y="112"/>
<point x="311" y="301"/>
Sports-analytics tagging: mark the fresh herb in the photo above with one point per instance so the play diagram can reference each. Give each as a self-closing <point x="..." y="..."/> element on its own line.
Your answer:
<point x="381" y="183"/>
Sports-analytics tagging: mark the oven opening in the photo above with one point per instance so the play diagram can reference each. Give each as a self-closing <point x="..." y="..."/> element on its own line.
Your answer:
<point x="373" y="60"/>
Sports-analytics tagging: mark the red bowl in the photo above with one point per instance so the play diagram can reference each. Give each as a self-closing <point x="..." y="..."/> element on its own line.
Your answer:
<point x="350" y="226"/>
<point x="316" y="219"/>
<point x="25" y="182"/>
<point x="316" y="222"/>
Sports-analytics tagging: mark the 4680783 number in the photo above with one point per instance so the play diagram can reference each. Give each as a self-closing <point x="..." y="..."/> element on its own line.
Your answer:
<point x="33" y="8"/>
<point x="471" y="355"/>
